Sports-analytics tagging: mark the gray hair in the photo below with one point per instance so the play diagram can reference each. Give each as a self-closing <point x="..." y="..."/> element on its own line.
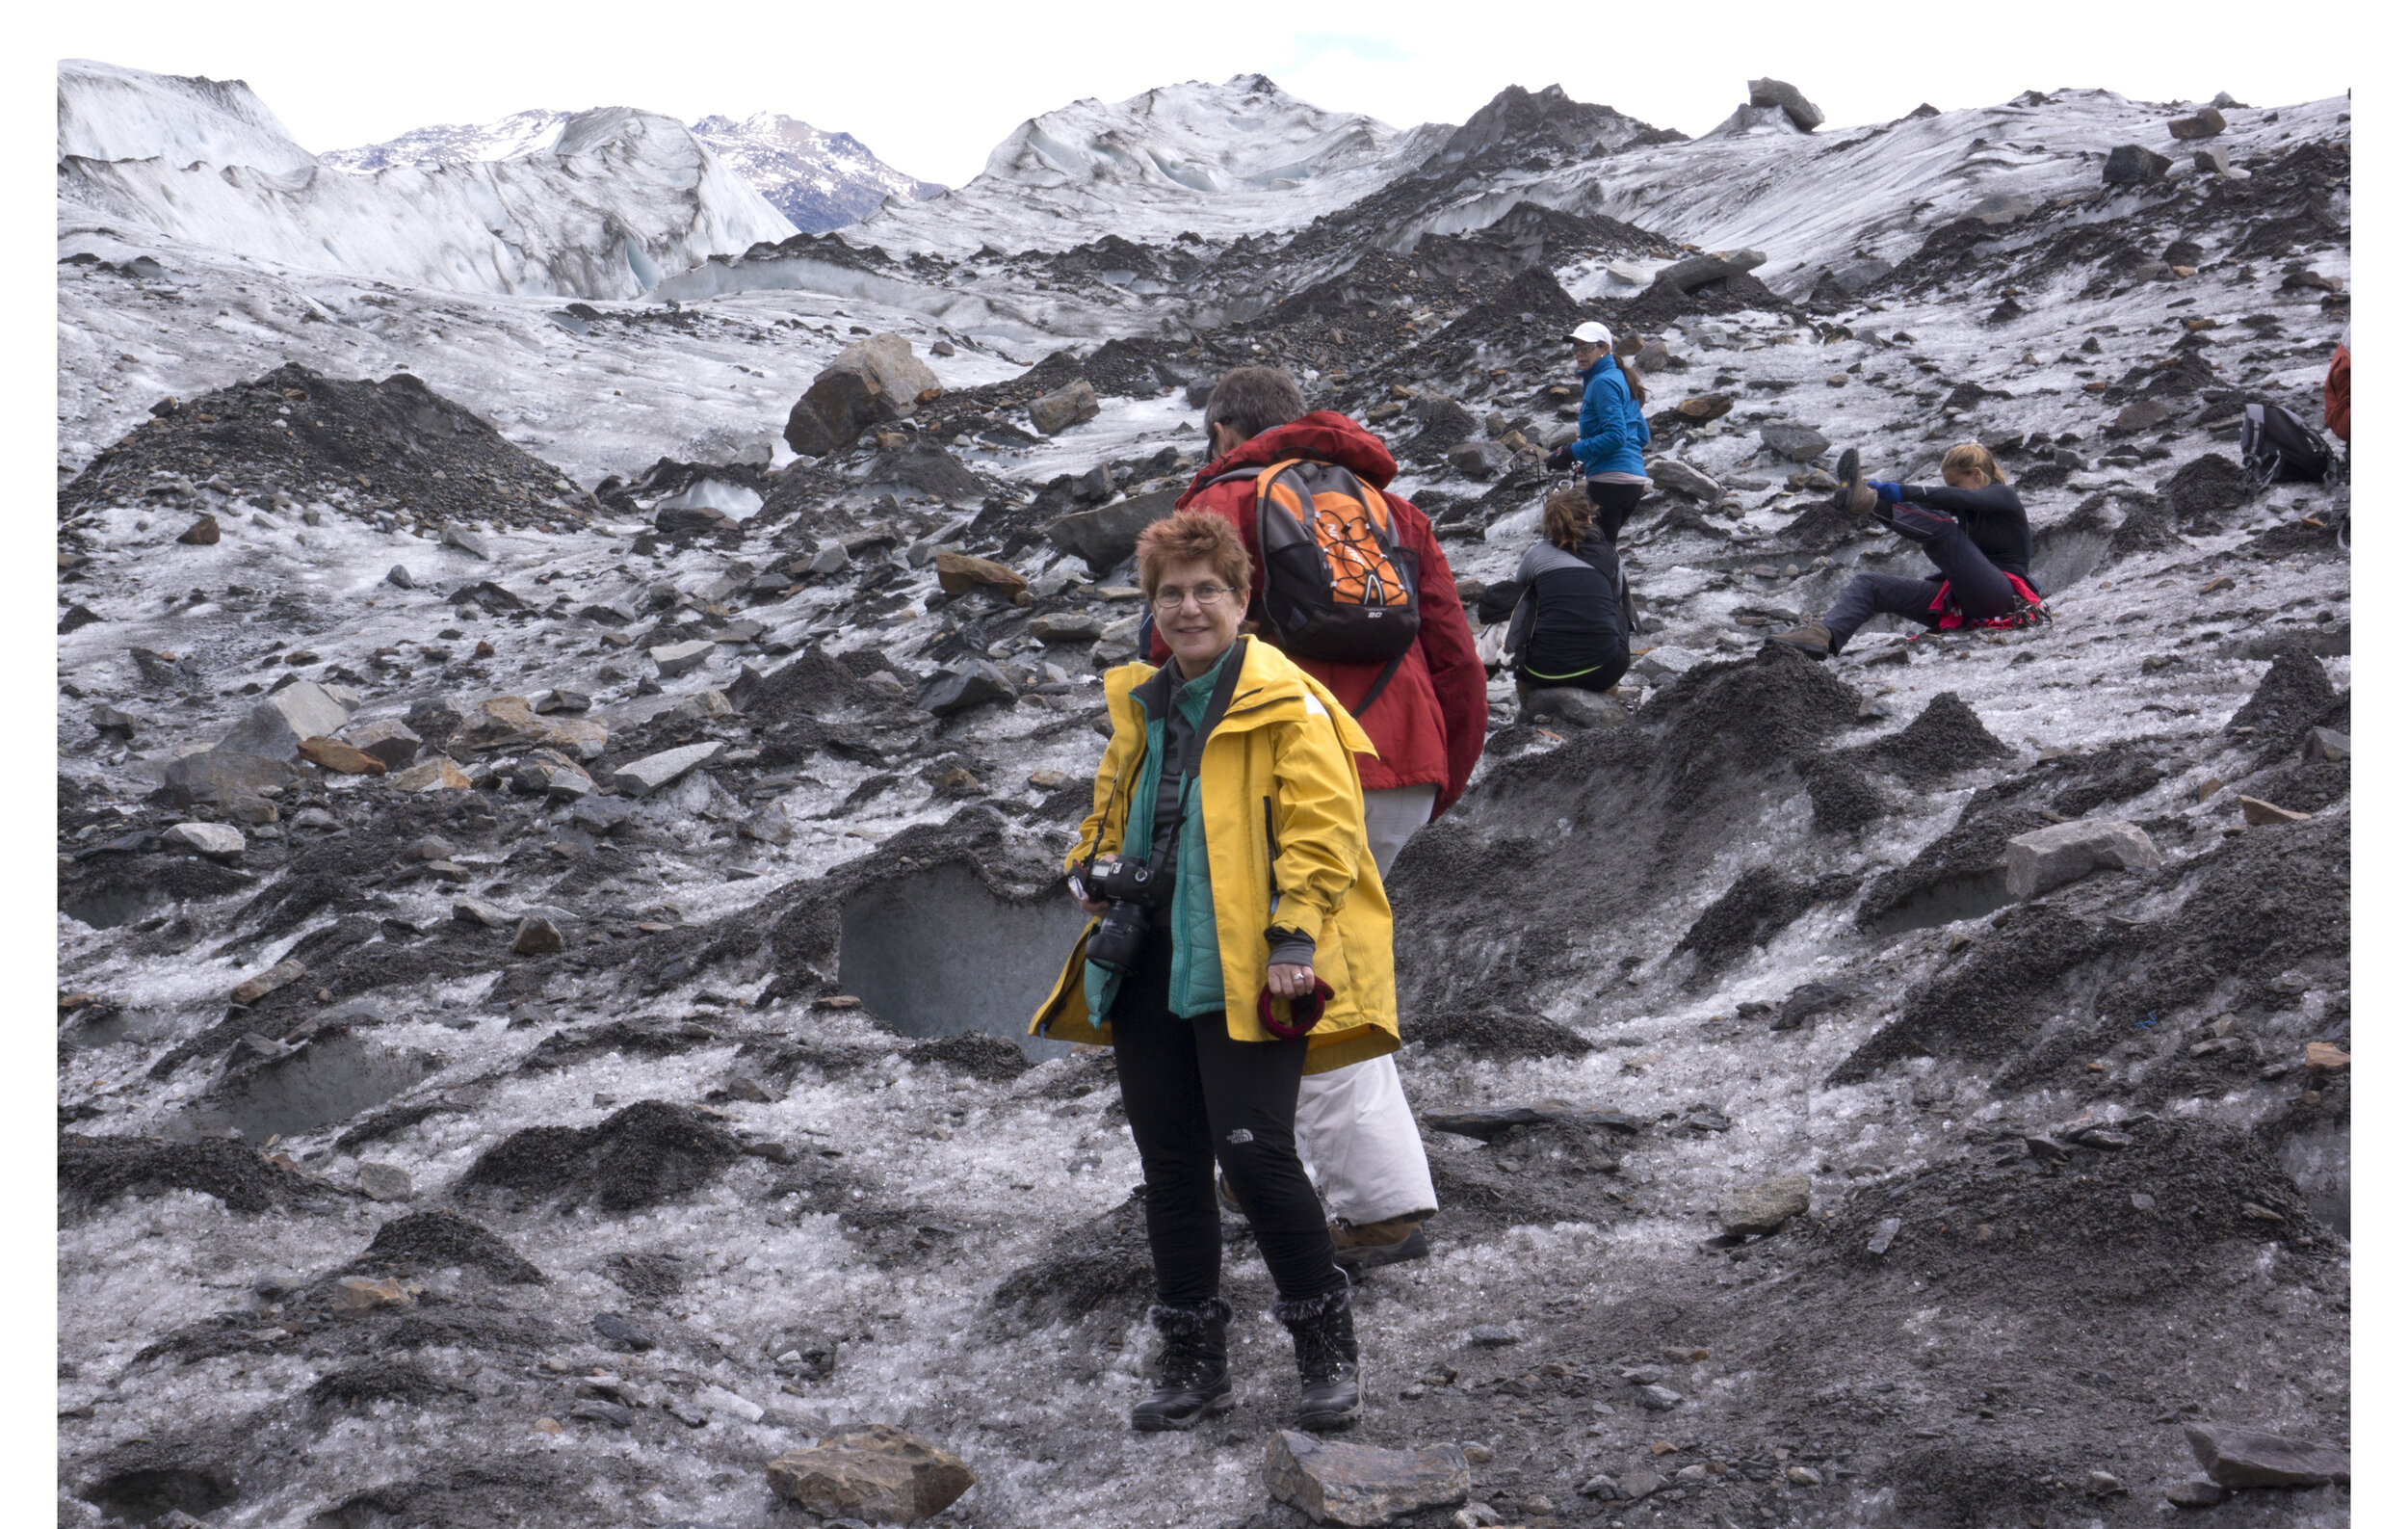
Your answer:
<point x="1253" y="399"/>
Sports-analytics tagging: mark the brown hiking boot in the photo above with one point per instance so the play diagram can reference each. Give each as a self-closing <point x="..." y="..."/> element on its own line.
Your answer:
<point x="1379" y="1242"/>
<point x="1853" y="497"/>
<point x="1813" y="640"/>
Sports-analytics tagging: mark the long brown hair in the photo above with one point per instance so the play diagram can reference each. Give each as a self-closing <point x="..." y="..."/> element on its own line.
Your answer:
<point x="1567" y="518"/>
<point x="1630" y="374"/>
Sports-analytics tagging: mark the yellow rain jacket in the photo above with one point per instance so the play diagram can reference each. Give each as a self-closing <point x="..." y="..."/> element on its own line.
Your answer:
<point x="1277" y="770"/>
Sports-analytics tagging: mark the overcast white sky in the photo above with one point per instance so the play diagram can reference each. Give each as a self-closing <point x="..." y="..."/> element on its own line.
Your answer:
<point x="931" y="88"/>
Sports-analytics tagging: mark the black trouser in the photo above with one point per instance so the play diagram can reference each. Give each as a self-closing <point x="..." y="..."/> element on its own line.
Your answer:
<point x="1974" y="582"/>
<point x="1195" y="1095"/>
<point x="1614" y="503"/>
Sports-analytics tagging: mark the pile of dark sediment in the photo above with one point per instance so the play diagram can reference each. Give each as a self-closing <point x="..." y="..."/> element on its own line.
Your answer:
<point x="294" y="437"/>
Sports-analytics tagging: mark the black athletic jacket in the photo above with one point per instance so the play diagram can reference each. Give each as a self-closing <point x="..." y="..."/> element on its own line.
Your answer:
<point x="1992" y="516"/>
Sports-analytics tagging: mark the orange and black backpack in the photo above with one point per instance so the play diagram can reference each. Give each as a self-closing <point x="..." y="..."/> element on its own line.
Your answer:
<point x="1337" y="585"/>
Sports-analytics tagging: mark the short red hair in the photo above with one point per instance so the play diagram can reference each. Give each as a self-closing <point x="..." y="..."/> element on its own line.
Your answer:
<point x="1192" y="536"/>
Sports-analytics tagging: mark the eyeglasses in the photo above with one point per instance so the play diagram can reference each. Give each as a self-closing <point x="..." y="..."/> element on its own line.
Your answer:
<point x="1207" y="595"/>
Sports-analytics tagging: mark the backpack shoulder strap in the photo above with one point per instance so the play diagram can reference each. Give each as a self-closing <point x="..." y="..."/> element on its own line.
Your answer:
<point x="1371" y="696"/>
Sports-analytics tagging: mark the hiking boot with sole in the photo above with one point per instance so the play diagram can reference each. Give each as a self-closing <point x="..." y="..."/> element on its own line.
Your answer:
<point x="1328" y="1367"/>
<point x="1193" y="1375"/>
<point x="1377" y="1243"/>
<point x="1853" y="497"/>
<point x="1813" y="640"/>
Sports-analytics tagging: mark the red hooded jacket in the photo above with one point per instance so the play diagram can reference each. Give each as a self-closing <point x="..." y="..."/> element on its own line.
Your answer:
<point x="1432" y="720"/>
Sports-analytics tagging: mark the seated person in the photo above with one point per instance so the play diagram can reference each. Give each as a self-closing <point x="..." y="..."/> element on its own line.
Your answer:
<point x="1569" y="630"/>
<point x="1976" y="534"/>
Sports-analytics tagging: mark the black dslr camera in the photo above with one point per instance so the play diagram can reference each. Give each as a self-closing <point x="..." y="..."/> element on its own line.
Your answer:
<point x="1135" y="893"/>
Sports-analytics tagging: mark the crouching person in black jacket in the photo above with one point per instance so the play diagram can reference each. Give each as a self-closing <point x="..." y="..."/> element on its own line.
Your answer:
<point x="1974" y="532"/>
<point x="1570" y="631"/>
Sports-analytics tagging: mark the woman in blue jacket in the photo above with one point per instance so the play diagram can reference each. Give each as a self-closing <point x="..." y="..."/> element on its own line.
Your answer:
<point x="1612" y="433"/>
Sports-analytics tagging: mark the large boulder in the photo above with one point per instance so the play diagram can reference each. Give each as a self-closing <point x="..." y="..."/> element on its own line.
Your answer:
<point x="1674" y="476"/>
<point x="1797" y="442"/>
<point x="2242" y="1457"/>
<point x="871" y="1471"/>
<point x="2134" y="166"/>
<point x="1762" y="1210"/>
<point x="1106" y="537"/>
<point x="2206" y="122"/>
<point x="1790" y="98"/>
<point x="277" y="726"/>
<point x="1360" y="1485"/>
<point x="1056" y="411"/>
<point x="868" y="383"/>
<point x="1688" y="275"/>
<point x="2067" y="851"/>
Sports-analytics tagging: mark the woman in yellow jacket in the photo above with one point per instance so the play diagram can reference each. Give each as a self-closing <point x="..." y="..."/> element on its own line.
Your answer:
<point x="1253" y="949"/>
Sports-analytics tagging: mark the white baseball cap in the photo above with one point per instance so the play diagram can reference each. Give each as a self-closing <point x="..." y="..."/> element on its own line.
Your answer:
<point x="1591" y="332"/>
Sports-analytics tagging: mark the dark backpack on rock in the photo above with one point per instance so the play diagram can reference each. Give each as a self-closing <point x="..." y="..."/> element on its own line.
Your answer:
<point x="2278" y="446"/>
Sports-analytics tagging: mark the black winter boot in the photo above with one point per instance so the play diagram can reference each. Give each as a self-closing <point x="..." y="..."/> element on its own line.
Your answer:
<point x="1328" y="1364"/>
<point x="1194" y="1371"/>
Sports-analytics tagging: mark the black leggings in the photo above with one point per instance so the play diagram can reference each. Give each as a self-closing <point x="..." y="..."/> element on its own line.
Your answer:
<point x="1614" y="503"/>
<point x="1195" y="1095"/>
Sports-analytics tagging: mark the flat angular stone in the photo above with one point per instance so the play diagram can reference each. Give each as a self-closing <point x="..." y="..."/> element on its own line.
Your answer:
<point x="652" y="771"/>
<point x="511" y="721"/>
<point x="388" y="738"/>
<point x="1058" y="411"/>
<point x="384" y="1182"/>
<point x="1797" y="442"/>
<point x="1067" y="626"/>
<point x="1751" y="1209"/>
<point x="475" y="911"/>
<point x="1108" y="537"/>
<point x="2067" y="851"/>
<point x="676" y="658"/>
<point x="277" y="726"/>
<point x="537" y="937"/>
<point x="1660" y="664"/>
<point x="958" y="573"/>
<point x="334" y="753"/>
<point x="1643" y="1484"/>
<point x="601" y="814"/>
<point x="1358" y="1485"/>
<point x="468" y="542"/>
<point x="269" y="981"/>
<point x="217" y="840"/>
<point x="975" y="684"/>
<point x="2205" y="122"/>
<point x="1659" y="1398"/>
<point x="1674" y="476"/>
<point x="2242" y="1457"/>
<point x="874" y="1472"/>
<point x="437" y="774"/>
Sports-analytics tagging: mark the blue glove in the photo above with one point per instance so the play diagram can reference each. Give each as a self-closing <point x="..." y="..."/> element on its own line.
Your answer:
<point x="1559" y="460"/>
<point x="1890" y="493"/>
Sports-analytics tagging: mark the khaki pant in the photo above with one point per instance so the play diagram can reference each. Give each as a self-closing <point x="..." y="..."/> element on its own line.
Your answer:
<point x="1354" y="1128"/>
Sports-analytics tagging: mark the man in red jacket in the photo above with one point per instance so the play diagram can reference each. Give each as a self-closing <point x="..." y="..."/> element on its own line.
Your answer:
<point x="1355" y="1130"/>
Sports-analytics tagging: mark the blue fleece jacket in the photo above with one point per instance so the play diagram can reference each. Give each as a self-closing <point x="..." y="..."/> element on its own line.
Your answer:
<point x="1612" y="430"/>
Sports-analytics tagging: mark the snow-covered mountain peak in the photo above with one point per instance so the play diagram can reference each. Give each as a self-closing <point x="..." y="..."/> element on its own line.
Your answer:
<point x="819" y="181"/>
<point x="1242" y="156"/>
<point x="617" y="200"/>
<point x="107" y="111"/>
<point x="455" y="144"/>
